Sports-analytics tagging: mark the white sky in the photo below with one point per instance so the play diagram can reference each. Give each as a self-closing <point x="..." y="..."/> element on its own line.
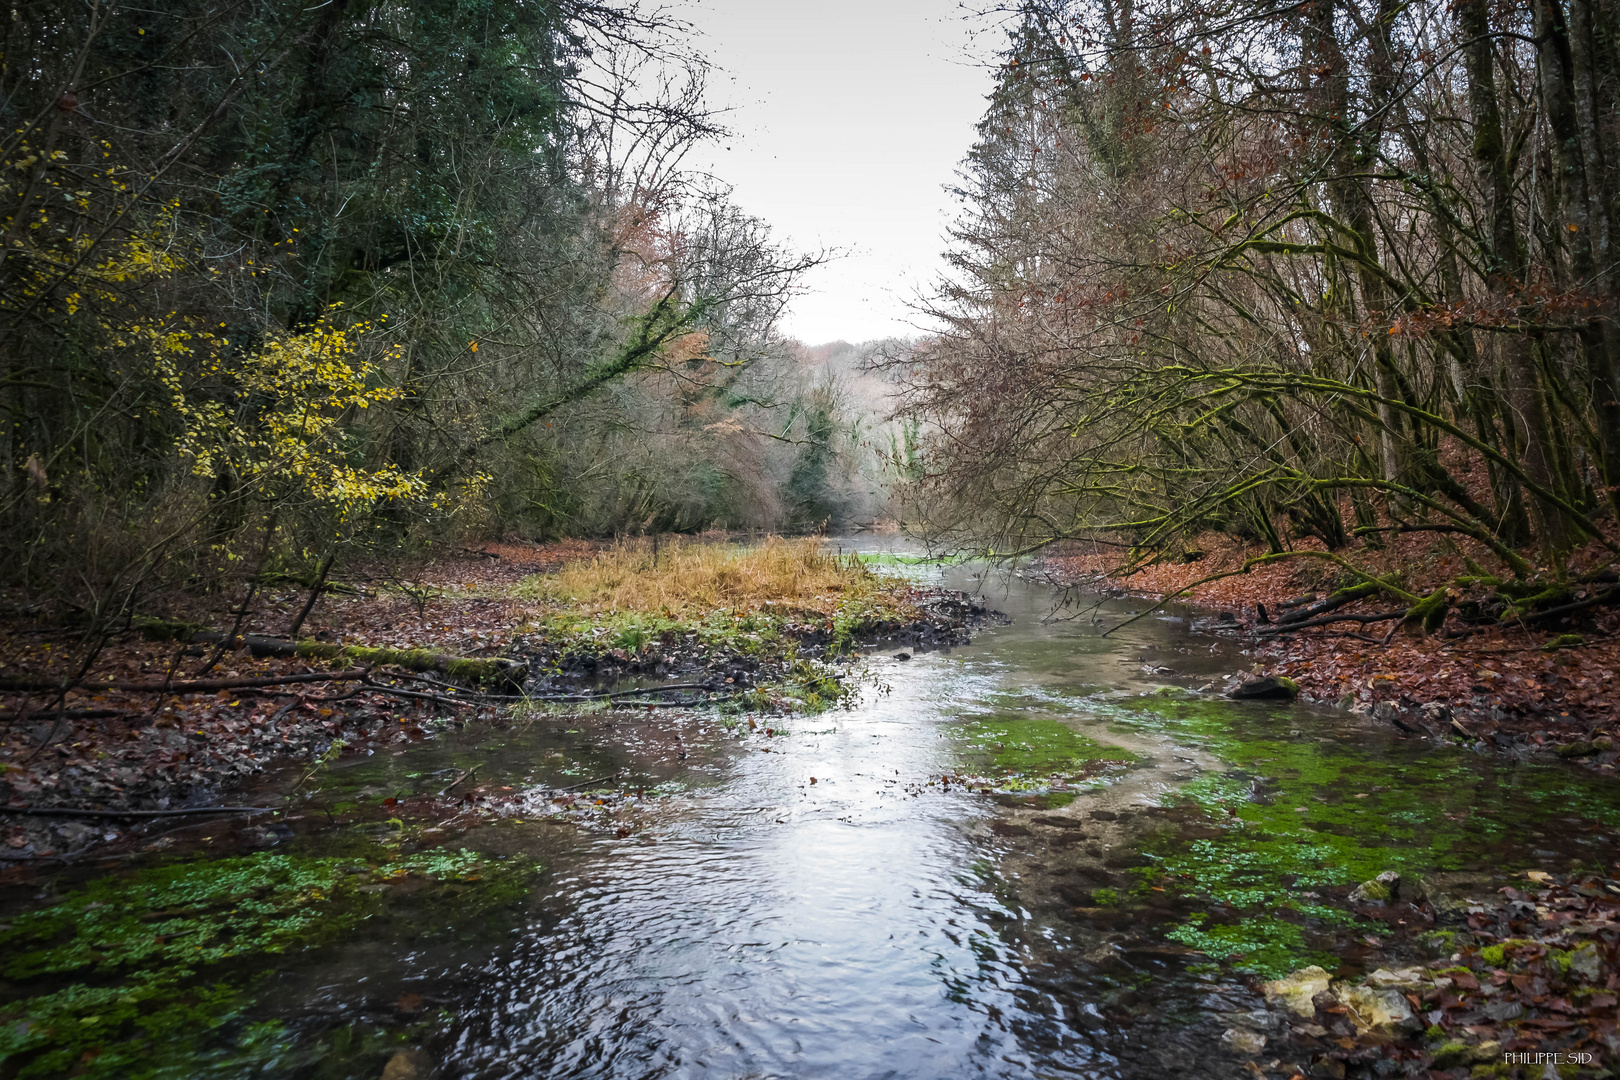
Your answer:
<point x="850" y="118"/>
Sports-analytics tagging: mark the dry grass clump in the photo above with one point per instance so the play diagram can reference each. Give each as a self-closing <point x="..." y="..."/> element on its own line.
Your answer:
<point x="682" y="579"/>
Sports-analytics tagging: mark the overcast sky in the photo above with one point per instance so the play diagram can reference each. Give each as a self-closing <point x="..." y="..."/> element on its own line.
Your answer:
<point x="850" y="118"/>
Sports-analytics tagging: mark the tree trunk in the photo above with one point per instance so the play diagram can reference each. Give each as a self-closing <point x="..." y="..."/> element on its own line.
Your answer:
<point x="1505" y="262"/>
<point x="1567" y="78"/>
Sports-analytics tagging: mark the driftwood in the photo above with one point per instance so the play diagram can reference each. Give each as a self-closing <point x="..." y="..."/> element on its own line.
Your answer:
<point x="465" y="668"/>
<point x="69" y="811"/>
<point x="638" y="692"/>
<point x="1339" y="599"/>
<point x="187" y="686"/>
<point x="413" y="695"/>
<point x="1326" y="620"/>
<point x="588" y="783"/>
<point x="459" y="779"/>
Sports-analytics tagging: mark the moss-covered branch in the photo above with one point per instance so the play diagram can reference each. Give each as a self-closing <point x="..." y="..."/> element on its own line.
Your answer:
<point x="463" y="668"/>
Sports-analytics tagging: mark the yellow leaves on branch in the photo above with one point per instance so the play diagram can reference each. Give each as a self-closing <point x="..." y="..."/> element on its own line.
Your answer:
<point x="284" y="419"/>
<point x="284" y="424"/>
<point x="55" y="228"/>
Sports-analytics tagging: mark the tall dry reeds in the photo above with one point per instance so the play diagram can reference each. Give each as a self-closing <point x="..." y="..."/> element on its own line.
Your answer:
<point x="681" y="578"/>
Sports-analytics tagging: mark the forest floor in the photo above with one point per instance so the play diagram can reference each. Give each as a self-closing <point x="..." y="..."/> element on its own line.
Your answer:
<point x="1533" y="972"/>
<point x="166" y="727"/>
<point x="1539" y="689"/>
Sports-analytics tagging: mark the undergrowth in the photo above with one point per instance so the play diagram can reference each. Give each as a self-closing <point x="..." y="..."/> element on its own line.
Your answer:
<point x="775" y="603"/>
<point x="684" y="581"/>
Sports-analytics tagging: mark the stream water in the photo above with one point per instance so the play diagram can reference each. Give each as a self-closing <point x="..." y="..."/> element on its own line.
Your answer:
<point x="819" y="902"/>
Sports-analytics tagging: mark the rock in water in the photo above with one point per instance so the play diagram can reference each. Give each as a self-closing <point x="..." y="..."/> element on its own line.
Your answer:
<point x="1297" y="990"/>
<point x="409" y="1065"/>
<point x="1247" y="1043"/>
<point x="1376" y="1008"/>
<point x="1391" y="887"/>
<point x="1380" y="889"/>
<point x="1270" y="688"/>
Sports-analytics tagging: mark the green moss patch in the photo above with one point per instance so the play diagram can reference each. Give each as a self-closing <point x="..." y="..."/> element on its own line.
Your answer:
<point x="1301" y="815"/>
<point x="1023" y="753"/>
<point x="127" y="976"/>
<point x="773" y="640"/>
<point x="1258" y="944"/>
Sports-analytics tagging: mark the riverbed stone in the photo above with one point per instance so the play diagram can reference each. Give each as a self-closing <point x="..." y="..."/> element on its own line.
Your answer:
<point x="409" y="1065"/>
<point x="1242" y="1041"/>
<point x="1401" y="978"/>
<point x="1435" y="712"/>
<point x="1297" y="989"/>
<point x="1380" y="889"/>
<point x="1376" y="1008"/>
<point x="1270" y="688"/>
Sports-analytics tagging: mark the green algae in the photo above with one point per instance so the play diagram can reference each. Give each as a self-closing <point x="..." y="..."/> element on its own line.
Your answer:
<point x="892" y="558"/>
<point x="1301" y="814"/>
<point x="1022" y="752"/>
<point x="130" y="975"/>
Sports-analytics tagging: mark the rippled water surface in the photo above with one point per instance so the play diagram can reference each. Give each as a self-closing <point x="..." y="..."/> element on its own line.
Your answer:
<point x="768" y="926"/>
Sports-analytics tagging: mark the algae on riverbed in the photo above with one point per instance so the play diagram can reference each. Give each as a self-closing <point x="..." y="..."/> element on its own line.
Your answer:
<point x="126" y="976"/>
<point x="1301" y="814"/>
<point x="1017" y="752"/>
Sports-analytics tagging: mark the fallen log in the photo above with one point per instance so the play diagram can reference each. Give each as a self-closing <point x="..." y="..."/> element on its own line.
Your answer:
<point x="187" y="686"/>
<point x="1566" y="609"/>
<point x="1332" y="603"/>
<point x="1288" y="628"/>
<point x="465" y="668"/>
<point x="70" y="811"/>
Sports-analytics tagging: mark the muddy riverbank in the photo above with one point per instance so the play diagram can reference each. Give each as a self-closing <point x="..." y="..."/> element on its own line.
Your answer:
<point x="1535" y="687"/>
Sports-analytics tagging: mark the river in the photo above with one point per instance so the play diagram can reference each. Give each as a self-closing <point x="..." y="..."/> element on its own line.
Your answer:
<point x="898" y="889"/>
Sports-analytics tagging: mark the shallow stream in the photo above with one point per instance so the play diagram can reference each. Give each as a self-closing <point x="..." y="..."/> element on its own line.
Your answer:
<point x="1043" y="854"/>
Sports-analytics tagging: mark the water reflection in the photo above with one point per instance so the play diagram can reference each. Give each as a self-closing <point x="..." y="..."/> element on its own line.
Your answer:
<point x="783" y="928"/>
